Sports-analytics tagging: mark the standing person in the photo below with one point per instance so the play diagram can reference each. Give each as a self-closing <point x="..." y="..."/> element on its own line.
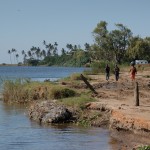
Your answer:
<point x="116" y="72"/>
<point x="107" y="71"/>
<point x="133" y="71"/>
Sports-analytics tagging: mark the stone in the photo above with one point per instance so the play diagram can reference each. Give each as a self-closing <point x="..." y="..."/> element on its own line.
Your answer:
<point x="49" y="112"/>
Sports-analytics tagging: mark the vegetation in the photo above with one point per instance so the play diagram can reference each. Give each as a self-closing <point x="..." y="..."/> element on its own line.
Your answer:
<point x="23" y="91"/>
<point x="78" y="101"/>
<point x="115" y="46"/>
<point x="144" y="148"/>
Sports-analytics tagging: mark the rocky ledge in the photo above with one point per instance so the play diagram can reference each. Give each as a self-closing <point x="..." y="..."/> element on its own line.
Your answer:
<point x="49" y="112"/>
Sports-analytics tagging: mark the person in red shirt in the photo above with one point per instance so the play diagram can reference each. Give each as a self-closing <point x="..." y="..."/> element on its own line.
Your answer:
<point x="133" y="71"/>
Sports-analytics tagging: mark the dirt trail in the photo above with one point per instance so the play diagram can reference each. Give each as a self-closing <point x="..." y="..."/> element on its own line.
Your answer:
<point x="119" y="98"/>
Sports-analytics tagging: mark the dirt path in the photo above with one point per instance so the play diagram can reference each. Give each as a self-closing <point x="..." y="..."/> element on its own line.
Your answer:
<point x="119" y="98"/>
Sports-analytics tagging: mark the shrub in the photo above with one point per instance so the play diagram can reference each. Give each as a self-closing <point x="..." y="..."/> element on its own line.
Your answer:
<point x="59" y="92"/>
<point x="78" y="102"/>
<point x="144" y="147"/>
<point x="22" y="90"/>
<point x="14" y="91"/>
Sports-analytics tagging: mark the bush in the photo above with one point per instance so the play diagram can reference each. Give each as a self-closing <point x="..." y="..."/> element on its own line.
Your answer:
<point x="78" y="102"/>
<point x="14" y="91"/>
<point x="144" y="148"/>
<point x="61" y="92"/>
<point x="23" y="90"/>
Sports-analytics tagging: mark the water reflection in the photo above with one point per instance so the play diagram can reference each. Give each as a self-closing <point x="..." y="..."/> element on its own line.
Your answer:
<point x="18" y="132"/>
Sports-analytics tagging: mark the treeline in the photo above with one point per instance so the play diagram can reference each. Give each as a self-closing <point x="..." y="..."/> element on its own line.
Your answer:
<point x="116" y="46"/>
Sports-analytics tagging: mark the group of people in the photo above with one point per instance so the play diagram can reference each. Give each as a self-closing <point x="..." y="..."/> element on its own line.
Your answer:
<point x="133" y="71"/>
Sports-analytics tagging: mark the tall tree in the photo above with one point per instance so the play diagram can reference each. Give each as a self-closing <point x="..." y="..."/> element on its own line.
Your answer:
<point x="111" y="45"/>
<point x="139" y="48"/>
<point x="17" y="56"/>
<point x="119" y="41"/>
<point x="24" y="56"/>
<point x="37" y="52"/>
<point x="9" y="52"/>
<point x="55" y="51"/>
<point x="13" y="50"/>
<point x="101" y="45"/>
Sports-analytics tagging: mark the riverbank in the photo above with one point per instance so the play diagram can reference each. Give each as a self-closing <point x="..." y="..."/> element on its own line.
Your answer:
<point x="114" y="105"/>
<point x="115" y="108"/>
<point x="129" y="124"/>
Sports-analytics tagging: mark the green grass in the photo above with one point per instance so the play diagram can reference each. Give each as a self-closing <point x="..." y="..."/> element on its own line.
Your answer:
<point x="78" y="102"/>
<point x="59" y="92"/>
<point x="22" y="91"/>
<point x="146" y="147"/>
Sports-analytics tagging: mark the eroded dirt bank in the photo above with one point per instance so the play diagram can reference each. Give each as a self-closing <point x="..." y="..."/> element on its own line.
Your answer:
<point x="129" y="124"/>
<point x="115" y="108"/>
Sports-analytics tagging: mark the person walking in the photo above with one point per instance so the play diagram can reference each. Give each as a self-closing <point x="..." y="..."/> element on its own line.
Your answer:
<point x="116" y="72"/>
<point x="107" y="71"/>
<point x="133" y="71"/>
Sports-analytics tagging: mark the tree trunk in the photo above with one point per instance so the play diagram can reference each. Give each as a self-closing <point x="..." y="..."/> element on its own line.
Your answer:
<point x="88" y="84"/>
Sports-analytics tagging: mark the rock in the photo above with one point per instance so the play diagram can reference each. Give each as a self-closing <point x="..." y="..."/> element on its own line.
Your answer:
<point x="49" y="112"/>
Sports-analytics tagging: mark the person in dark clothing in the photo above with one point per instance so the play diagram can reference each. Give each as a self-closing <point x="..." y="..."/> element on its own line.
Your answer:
<point x="107" y="71"/>
<point x="116" y="72"/>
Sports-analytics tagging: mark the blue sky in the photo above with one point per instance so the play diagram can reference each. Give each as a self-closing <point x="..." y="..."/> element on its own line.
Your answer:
<point x="26" y="23"/>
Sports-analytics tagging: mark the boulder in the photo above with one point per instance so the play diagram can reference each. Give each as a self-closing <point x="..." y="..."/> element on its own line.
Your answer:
<point x="49" y="112"/>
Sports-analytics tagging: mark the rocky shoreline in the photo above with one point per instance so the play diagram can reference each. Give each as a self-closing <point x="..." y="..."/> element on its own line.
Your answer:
<point x="128" y="130"/>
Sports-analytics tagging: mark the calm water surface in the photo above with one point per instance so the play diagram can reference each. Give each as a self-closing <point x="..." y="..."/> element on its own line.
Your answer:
<point x="38" y="73"/>
<point x="18" y="132"/>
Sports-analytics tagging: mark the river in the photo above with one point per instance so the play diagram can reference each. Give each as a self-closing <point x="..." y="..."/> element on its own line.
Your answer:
<point x="18" y="132"/>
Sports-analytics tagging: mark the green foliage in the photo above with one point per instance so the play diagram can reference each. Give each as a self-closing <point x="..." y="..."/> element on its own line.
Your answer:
<point x="111" y="45"/>
<point x="23" y="90"/>
<point x="99" y="67"/>
<point x="58" y="92"/>
<point x="33" y="62"/>
<point x="117" y="45"/>
<point x="87" y="118"/>
<point x="78" y="102"/>
<point x="139" y="48"/>
<point x="144" y="147"/>
<point x="14" y="91"/>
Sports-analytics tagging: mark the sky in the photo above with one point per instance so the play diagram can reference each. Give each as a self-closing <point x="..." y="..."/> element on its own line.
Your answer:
<point x="26" y="23"/>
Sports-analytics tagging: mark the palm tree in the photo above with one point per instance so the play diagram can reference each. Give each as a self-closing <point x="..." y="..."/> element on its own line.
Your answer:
<point x="50" y="48"/>
<point x="9" y="52"/>
<point x="44" y="42"/>
<point x="17" y="55"/>
<point x="30" y="54"/>
<point x="55" y="51"/>
<point x="33" y="50"/>
<point x="37" y="52"/>
<point x="14" y="51"/>
<point x="43" y="53"/>
<point x="24" y="56"/>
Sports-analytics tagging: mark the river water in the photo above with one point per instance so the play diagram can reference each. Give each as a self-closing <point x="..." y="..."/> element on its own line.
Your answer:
<point x="18" y="132"/>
